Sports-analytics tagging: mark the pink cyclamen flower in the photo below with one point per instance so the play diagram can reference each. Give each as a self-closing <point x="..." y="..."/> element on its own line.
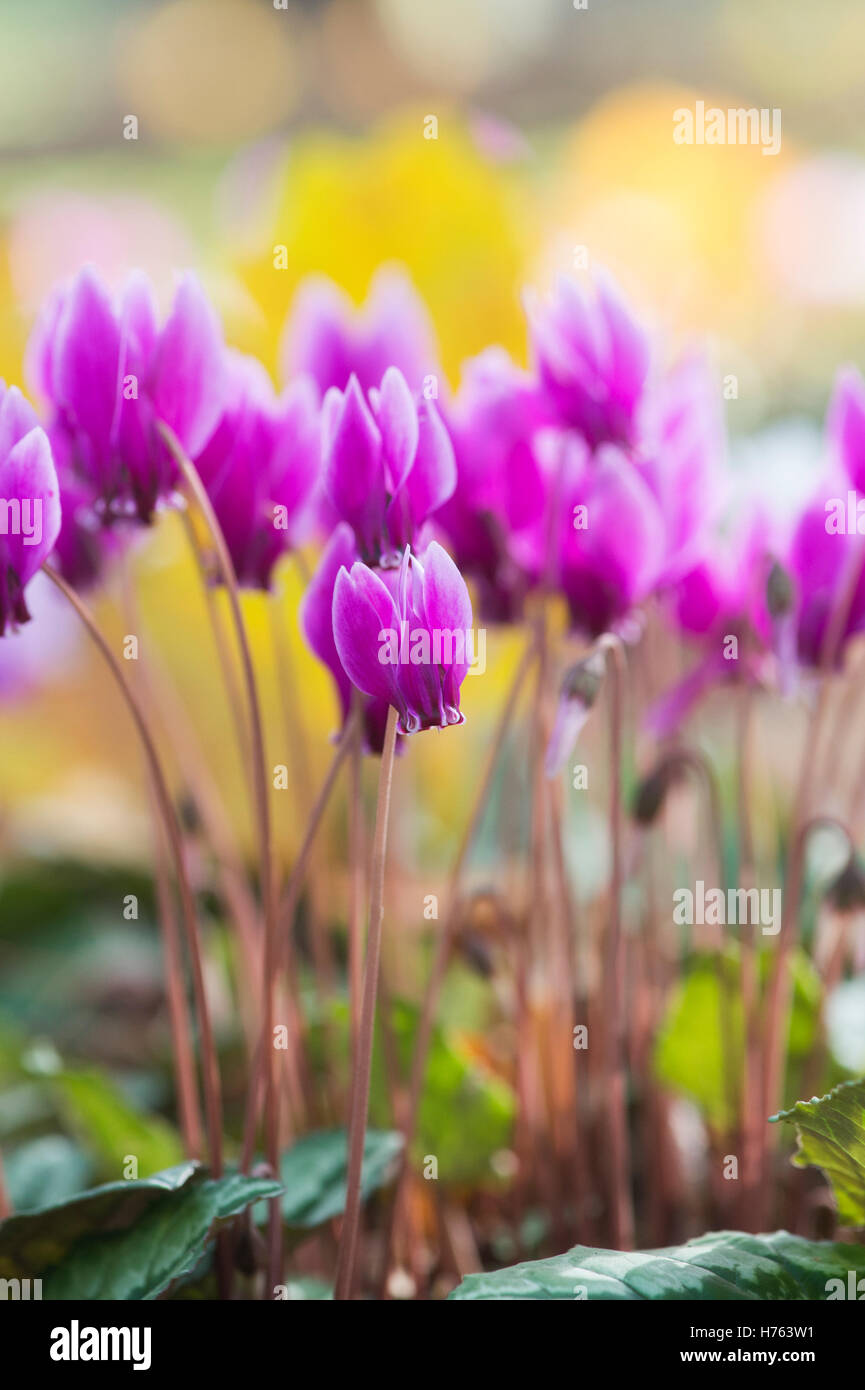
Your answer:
<point x="327" y="338"/>
<point x="609" y="543"/>
<point x="592" y="358"/>
<point x="29" y="503"/>
<point x="494" y="519"/>
<point x="681" y="456"/>
<point x="388" y="464"/>
<point x="405" y="637"/>
<point x="260" y="466"/>
<point x="110" y="374"/>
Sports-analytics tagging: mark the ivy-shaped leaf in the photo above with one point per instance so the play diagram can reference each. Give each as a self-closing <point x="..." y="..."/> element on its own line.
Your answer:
<point x="831" y="1133"/>
<point x="727" y="1266"/>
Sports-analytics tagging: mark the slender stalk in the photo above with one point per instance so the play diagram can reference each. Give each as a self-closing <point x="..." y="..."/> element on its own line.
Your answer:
<point x="363" y="1059"/>
<point x="175" y="994"/>
<point x="356" y="870"/>
<point x="614" y="1005"/>
<point x="210" y="1061"/>
<point x="444" y="944"/>
<point x="261" y="798"/>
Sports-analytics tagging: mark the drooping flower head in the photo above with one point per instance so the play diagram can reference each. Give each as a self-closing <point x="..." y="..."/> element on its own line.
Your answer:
<point x="260" y="466"/>
<point x="405" y="636"/>
<point x="29" y="503"/>
<point x="326" y="338"/>
<point x="110" y="374"/>
<point x="388" y="464"/>
<point x="494" y="518"/>
<point x="592" y="358"/>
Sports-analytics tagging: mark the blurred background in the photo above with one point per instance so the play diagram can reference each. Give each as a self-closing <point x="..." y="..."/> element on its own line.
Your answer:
<point x="301" y="125"/>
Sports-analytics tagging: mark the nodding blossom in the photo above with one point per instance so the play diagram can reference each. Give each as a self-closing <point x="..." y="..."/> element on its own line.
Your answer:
<point x="405" y="637"/>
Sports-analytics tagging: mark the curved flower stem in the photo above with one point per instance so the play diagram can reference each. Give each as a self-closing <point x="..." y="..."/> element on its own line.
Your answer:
<point x="258" y="772"/>
<point x="363" y="1056"/>
<point x="616" y="1110"/>
<point x="444" y="943"/>
<point x="210" y="1061"/>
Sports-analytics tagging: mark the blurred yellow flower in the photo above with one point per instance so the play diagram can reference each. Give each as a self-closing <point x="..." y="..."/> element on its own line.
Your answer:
<point x="435" y="205"/>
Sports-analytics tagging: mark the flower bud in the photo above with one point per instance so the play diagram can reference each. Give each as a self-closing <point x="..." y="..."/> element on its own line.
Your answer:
<point x="579" y="691"/>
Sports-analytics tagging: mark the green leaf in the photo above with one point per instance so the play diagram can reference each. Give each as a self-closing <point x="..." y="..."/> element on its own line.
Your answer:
<point x="128" y="1240"/>
<point x="314" y="1173"/>
<point x="32" y="1242"/>
<point x="165" y="1244"/>
<point x="831" y="1134"/>
<point x="689" y="1052"/>
<point x="727" y="1266"/>
<point x="96" y="1109"/>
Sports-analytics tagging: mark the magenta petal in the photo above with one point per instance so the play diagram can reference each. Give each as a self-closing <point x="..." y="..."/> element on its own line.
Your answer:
<point x="397" y="419"/>
<point x="87" y="365"/>
<point x="27" y="474"/>
<point x="17" y="418"/>
<point x="628" y="343"/>
<point x="187" y="377"/>
<point x="363" y="611"/>
<point x="353" y="473"/>
<point x="447" y="606"/>
<point x="316" y="608"/>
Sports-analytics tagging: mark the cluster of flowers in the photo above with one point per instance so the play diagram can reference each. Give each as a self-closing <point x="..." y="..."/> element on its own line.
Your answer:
<point x="599" y="474"/>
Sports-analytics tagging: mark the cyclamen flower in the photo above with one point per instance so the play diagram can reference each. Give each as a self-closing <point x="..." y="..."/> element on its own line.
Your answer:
<point x="29" y="503"/>
<point x="592" y="358"/>
<point x="681" y="456"/>
<point x="609" y="541"/>
<point x="111" y="374"/>
<point x="327" y="338"/>
<point x="316" y="622"/>
<point x="388" y="464"/>
<point x="494" y="519"/>
<point x="405" y="637"/>
<point x="260" y="466"/>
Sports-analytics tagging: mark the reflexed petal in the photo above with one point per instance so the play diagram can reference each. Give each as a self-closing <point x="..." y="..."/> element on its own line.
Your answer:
<point x="353" y="472"/>
<point x="396" y="414"/>
<point x="188" y="373"/>
<point x="363" y="610"/>
<point x="27" y="474"/>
